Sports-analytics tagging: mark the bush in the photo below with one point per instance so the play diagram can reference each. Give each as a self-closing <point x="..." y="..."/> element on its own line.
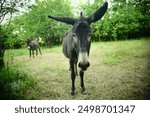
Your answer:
<point x="15" y="84"/>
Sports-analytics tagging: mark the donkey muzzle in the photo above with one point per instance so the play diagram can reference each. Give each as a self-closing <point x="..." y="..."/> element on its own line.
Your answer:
<point x="84" y="66"/>
<point x="83" y="59"/>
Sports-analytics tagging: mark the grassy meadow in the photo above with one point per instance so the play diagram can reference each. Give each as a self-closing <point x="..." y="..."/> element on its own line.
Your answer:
<point x="119" y="70"/>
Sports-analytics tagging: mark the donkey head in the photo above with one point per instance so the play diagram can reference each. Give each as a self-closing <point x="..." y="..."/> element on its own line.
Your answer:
<point x="28" y="41"/>
<point x="81" y="33"/>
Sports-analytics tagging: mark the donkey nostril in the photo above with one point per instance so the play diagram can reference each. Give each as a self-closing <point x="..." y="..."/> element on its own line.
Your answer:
<point x="88" y="64"/>
<point x="84" y="66"/>
<point x="79" y="65"/>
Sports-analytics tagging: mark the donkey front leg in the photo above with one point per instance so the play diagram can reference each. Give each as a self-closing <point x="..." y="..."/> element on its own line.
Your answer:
<point x="33" y="53"/>
<point x="72" y="77"/>
<point x="75" y="68"/>
<point x="83" y="90"/>
<point x="30" y="53"/>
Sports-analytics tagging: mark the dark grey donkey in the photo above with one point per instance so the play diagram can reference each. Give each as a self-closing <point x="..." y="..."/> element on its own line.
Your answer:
<point x="76" y="45"/>
<point x="33" y="45"/>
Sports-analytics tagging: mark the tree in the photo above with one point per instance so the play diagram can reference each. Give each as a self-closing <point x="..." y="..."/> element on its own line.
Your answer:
<point x="2" y="47"/>
<point x="7" y="8"/>
<point x="124" y="21"/>
<point x="121" y="21"/>
<point x="144" y="8"/>
<point x="35" y="22"/>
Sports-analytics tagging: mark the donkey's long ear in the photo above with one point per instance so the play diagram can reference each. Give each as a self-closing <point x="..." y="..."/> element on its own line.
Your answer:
<point x="98" y="14"/>
<point x="66" y="20"/>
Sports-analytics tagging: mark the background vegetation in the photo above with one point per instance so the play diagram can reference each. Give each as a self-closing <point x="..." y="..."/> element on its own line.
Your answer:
<point x="124" y="19"/>
<point x="23" y="19"/>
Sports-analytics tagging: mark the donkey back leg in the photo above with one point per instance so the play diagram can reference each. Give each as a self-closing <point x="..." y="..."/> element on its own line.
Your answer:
<point x="33" y="53"/>
<point x="30" y="53"/>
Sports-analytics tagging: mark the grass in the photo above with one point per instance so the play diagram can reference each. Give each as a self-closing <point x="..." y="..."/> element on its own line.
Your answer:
<point x="119" y="70"/>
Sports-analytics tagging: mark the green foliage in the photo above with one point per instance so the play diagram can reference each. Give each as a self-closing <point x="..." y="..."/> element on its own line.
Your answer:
<point x="35" y="22"/>
<point x="121" y="24"/>
<point x="123" y="20"/>
<point x="144" y="7"/>
<point x="2" y="47"/>
<point x="15" y="84"/>
<point x="11" y="39"/>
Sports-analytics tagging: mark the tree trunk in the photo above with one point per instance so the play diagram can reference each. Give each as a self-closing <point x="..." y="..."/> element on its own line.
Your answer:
<point x="2" y="50"/>
<point x="2" y="47"/>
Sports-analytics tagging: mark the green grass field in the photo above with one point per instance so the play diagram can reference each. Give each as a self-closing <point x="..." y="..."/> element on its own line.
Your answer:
<point x="119" y="70"/>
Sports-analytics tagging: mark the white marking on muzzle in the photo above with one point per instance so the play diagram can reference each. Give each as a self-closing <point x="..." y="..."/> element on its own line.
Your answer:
<point x="83" y="57"/>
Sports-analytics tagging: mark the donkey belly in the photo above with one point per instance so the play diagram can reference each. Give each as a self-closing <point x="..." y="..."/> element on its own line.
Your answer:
<point x="67" y="45"/>
<point x="65" y="49"/>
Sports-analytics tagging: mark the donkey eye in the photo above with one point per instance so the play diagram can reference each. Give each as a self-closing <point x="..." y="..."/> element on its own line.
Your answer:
<point x="74" y="35"/>
<point x="90" y="34"/>
<point x="89" y="37"/>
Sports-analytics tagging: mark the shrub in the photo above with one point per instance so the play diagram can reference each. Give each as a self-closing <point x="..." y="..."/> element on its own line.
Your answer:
<point x="15" y="84"/>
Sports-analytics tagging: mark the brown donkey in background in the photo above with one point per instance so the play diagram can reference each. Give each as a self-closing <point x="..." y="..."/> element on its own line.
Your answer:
<point x="33" y="45"/>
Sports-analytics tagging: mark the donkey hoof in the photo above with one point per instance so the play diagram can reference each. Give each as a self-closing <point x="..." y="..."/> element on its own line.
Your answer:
<point x="84" y="91"/>
<point x="72" y="93"/>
